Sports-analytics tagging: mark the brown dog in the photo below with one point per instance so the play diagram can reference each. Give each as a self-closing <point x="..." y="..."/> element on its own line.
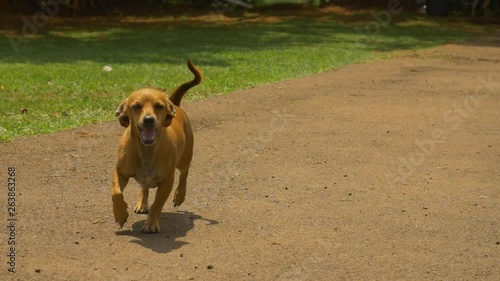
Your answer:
<point x="157" y="140"/>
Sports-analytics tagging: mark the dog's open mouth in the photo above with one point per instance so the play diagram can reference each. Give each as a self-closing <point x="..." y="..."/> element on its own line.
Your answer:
<point x="148" y="135"/>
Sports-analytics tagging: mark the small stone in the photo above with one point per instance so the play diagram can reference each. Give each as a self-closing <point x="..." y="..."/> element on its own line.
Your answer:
<point x="38" y="270"/>
<point x="210" y="267"/>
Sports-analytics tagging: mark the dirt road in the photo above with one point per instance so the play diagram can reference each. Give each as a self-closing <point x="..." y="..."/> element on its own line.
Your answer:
<point x="388" y="170"/>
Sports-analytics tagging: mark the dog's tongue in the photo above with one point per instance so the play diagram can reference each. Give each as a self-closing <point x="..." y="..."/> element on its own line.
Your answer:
<point x="148" y="135"/>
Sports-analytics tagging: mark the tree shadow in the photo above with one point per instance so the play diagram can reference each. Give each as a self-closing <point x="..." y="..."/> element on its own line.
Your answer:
<point x="172" y="227"/>
<point x="145" y="42"/>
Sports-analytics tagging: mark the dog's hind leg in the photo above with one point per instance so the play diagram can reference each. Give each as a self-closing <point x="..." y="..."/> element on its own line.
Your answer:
<point x="142" y="205"/>
<point x="183" y="167"/>
<point x="180" y="192"/>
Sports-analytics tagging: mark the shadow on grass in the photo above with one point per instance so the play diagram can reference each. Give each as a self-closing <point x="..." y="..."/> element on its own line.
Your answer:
<point x="172" y="227"/>
<point x="166" y="45"/>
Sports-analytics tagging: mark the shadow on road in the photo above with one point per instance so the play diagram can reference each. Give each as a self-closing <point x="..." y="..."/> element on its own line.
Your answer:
<point x="172" y="226"/>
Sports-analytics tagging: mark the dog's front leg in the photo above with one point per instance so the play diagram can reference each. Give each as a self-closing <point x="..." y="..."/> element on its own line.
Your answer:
<point x="152" y="224"/>
<point x="119" y="204"/>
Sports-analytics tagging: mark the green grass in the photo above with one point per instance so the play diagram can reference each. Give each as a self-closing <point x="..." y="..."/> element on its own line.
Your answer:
<point x="57" y="75"/>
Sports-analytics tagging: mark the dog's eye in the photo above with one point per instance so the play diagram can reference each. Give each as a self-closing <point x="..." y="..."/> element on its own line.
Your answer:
<point x="136" y="106"/>
<point x="159" y="106"/>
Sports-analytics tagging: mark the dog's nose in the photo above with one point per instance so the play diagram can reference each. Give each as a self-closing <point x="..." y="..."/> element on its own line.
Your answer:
<point x="148" y="120"/>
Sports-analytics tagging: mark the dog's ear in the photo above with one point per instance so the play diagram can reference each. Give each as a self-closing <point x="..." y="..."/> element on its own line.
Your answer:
<point x="121" y="113"/>
<point x="171" y="113"/>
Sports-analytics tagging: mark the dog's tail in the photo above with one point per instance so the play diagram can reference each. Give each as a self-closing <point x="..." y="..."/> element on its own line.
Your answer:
<point x="177" y="95"/>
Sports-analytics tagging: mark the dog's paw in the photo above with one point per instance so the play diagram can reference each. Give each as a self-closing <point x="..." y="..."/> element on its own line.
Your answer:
<point x="179" y="198"/>
<point x="120" y="212"/>
<point x="151" y="227"/>
<point x="141" y="208"/>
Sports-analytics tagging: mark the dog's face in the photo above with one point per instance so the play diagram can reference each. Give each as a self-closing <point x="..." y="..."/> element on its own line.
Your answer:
<point x="146" y="111"/>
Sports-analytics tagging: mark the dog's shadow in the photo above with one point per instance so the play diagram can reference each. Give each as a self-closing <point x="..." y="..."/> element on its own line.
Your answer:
<point x="172" y="226"/>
